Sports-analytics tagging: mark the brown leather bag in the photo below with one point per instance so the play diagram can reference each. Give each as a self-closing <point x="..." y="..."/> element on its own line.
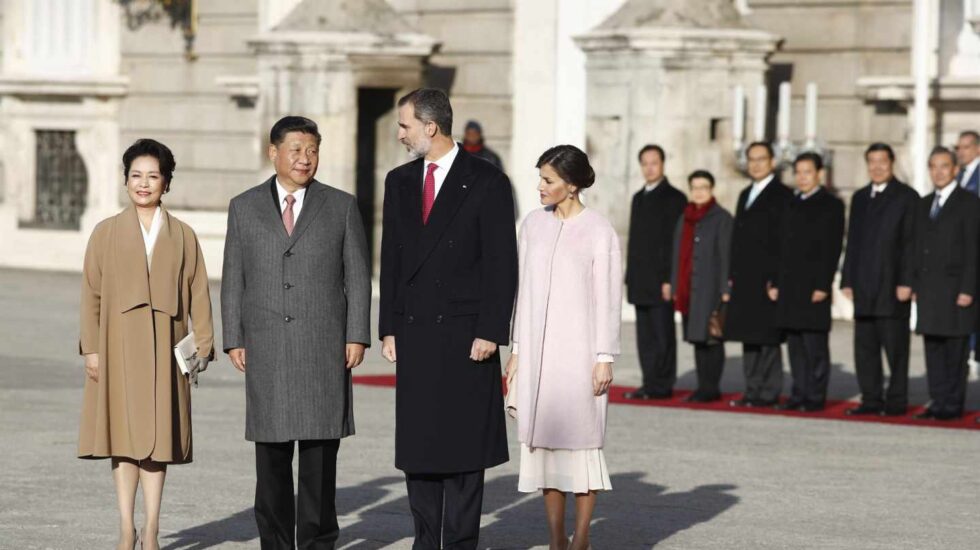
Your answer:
<point x="716" y="323"/>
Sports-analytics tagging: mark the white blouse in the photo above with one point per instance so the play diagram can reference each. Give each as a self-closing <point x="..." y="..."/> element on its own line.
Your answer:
<point x="150" y="237"/>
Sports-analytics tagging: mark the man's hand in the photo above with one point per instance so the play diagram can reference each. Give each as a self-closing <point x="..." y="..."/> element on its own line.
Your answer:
<point x="665" y="291"/>
<point x="818" y="296"/>
<point x="773" y="293"/>
<point x="964" y="300"/>
<point x="726" y="297"/>
<point x="848" y="293"/>
<point x="602" y="378"/>
<point x="482" y="349"/>
<point x="355" y="354"/>
<point x="388" y="349"/>
<point x="237" y="356"/>
<point x="903" y="293"/>
<point x="92" y="366"/>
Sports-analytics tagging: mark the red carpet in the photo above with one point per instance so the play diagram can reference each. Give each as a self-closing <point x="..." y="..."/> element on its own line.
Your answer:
<point x="834" y="410"/>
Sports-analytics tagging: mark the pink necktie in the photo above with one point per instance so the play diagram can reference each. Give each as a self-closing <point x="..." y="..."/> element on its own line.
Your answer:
<point x="429" y="192"/>
<point x="287" y="214"/>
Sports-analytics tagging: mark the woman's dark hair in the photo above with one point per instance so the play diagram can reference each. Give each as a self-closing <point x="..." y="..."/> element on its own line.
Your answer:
<point x="816" y="159"/>
<point x="878" y="146"/>
<point x="704" y="174"/>
<point x="571" y="164"/>
<point x="151" y="148"/>
<point x="292" y="124"/>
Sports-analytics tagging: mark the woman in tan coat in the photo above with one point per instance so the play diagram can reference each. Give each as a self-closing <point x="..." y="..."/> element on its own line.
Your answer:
<point x="144" y="275"/>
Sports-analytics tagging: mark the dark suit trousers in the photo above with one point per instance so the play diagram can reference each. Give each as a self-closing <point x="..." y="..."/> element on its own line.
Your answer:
<point x="946" y="370"/>
<point x="447" y="509"/>
<point x="656" y="342"/>
<point x="709" y="361"/>
<point x="809" y="362"/>
<point x="871" y="334"/>
<point x="313" y="514"/>
<point x="763" y="365"/>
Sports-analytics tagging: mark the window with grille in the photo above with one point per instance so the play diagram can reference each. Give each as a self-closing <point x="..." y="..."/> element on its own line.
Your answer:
<point x="61" y="181"/>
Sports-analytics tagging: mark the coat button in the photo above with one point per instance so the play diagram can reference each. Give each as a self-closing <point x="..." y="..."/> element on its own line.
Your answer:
<point x="287" y="286"/>
<point x="288" y="253"/>
<point x="451" y="244"/>
<point x="438" y="283"/>
<point x="438" y="318"/>
<point x="411" y="285"/>
<point x="697" y="239"/>
<point x="411" y="319"/>
<point x="287" y="319"/>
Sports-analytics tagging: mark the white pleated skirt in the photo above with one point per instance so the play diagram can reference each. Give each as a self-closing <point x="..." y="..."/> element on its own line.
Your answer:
<point x="567" y="470"/>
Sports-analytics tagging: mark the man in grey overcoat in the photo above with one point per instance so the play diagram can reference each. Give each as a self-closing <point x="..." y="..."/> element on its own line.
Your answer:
<point x="295" y="305"/>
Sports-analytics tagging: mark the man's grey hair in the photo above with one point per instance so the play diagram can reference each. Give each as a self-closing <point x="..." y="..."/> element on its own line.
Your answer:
<point x="431" y="105"/>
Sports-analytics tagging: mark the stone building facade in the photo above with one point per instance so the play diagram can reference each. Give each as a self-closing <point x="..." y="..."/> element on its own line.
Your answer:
<point x="79" y="81"/>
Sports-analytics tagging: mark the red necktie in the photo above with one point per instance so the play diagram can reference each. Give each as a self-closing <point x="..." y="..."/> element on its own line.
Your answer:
<point x="429" y="192"/>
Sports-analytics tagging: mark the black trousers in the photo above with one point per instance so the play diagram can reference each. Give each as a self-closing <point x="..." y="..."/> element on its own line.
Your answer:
<point x="312" y="516"/>
<point x="709" y="362"/>
<point x="763" y="366"/>
<point x="871" y="334"/>
<point x="656" y="342"/>
<point x="947" y="369"/>
<point x="446" y="509"/>
<point x="809" y="363"/>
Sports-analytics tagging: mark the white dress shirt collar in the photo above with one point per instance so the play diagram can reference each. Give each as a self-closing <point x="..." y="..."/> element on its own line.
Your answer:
<point x="150" y="237"/>
<point x="969" y="170"/>
<point x="298" y="194"/>
<point x="444" y="164"/>
<point x="807" y="195"/>
<point x="651" y="186"/>
<point x="761" y="184"/>
<point x="878" y="188"/>
<point x="945" y="192"/>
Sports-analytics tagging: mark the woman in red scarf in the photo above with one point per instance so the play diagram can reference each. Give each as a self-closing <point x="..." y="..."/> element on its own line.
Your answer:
<point x="700" y="279"/>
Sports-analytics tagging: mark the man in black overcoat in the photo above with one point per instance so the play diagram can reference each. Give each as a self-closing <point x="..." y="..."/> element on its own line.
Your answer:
<point x="877" y="277"/>
<point x="448" y="281"/>
<point x="811" y="245"/>
<point x="945" y="284"/>
<point x="751" y="317"/>
<point x="653" y="215"/>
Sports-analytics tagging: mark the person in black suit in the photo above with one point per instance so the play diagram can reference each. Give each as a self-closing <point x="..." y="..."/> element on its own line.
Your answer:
<point x="811" y="243"/>
<point x="751" y="317"/>
<point x="653" y="215"/>
<point x="876" y="276"/>
<point x="944" y="283"/>
<point x="448" y="282"/>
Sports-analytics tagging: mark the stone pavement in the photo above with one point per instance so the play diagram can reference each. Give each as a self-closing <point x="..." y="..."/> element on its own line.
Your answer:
<point x="682" y="479"/>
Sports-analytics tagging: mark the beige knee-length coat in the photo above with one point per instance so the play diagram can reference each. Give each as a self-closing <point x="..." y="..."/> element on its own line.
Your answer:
<point x="132" y="316"/>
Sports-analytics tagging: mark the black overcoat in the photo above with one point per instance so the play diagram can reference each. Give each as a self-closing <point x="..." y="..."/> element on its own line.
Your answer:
<point x="946" y="264"/>
<point x="442" y="285"/>
<point x="751" y="314"/>
<point x="653" y="217"/>
<point x="811" y="243"/>
<point x="880" y="237"/>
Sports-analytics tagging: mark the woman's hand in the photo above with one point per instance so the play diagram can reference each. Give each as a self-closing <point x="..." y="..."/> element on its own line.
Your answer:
<point x="92" y="366"/>
<point x="511" y="366"/>
<point x="602" y="378"/>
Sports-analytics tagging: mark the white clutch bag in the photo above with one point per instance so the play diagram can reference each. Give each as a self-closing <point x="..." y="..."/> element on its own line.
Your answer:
<point x="183" y="351"/>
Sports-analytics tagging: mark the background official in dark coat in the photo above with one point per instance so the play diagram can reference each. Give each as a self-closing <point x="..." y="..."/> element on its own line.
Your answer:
<point x="653" y="215"/>
<point x="448" y="281"/>
<point x="877" y="276"/>
<point x="811" y="243"/>
<point x="296" y="307"/>
<point x="945" y="284"/>
<point x="751" y="315"/>
<point x="699" y="280"/>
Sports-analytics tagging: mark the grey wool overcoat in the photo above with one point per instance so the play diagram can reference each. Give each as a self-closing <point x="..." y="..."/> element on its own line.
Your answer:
<point x="709" y="268"/>
<point x="294" y="302"/>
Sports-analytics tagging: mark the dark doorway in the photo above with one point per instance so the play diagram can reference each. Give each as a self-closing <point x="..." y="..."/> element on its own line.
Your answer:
<point x="372" y="104"/>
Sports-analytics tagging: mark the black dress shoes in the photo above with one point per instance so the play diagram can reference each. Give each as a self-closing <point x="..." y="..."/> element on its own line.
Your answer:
<point x="812" y="407"/>
<point x="641" y="393"/>
<point x="764" y="404"/>
<point x="741" y="402"/>
<point x="945" y="415"/>
<point x="862" y="410"/>
<point x="791" y="405"/>
<point x="894" y="411"/>
<point x="636" y="394"/>
<point x="698" y="397"/>
<point x="927" y="414"/>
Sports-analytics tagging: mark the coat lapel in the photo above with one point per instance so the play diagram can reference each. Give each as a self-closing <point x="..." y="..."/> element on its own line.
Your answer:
<point x="269" y="211"/>
<point x="451" y="195"/>
<point x="312" y="204"/>
<point x="138" y="287"/>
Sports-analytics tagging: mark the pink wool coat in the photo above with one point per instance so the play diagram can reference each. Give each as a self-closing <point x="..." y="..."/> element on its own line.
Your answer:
<point x="568" y="312"/>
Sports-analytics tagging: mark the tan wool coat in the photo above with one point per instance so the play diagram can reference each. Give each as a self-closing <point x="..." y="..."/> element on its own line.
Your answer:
<point x="132" y="317"/>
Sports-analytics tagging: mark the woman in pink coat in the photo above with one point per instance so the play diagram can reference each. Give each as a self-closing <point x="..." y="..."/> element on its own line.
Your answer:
<point x="566" y="336"/>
